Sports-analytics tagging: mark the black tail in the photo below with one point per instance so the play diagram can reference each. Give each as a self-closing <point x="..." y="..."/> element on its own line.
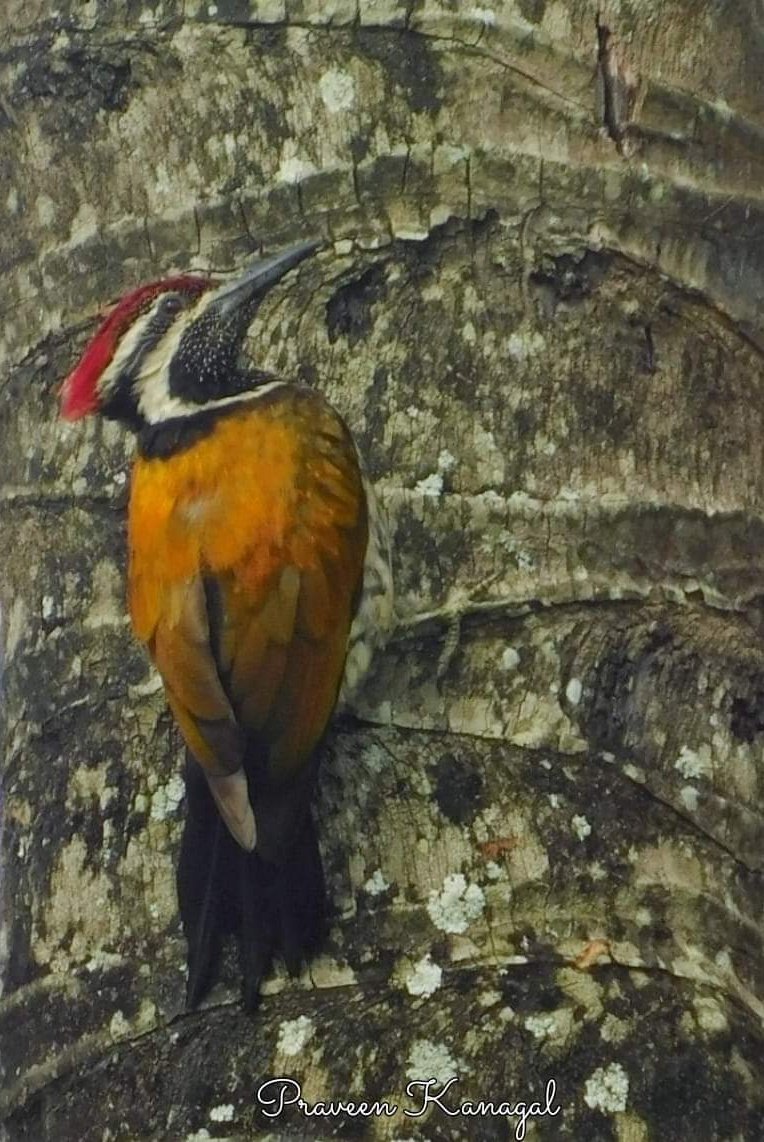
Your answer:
<point x="273" y="908"/>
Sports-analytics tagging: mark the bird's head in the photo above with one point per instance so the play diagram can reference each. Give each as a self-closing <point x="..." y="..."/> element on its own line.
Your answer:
<point x="170" y="348"/>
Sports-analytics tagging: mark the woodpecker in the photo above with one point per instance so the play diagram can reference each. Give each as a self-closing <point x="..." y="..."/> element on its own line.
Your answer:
<point x="259" y="581"/>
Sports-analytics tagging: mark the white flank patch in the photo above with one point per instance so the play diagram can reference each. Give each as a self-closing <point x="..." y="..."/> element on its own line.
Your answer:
<point x="607" y="1089"/>
<point x="455" y="907"/>
<point x="375" y="615"/>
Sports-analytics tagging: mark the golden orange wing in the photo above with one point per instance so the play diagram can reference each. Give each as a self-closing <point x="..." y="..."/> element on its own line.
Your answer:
<point x="246" y="559"/>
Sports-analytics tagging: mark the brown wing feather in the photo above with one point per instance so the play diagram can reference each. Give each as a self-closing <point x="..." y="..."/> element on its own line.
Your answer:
<point x="181" y="650"/>
<point x="286" y="667"/>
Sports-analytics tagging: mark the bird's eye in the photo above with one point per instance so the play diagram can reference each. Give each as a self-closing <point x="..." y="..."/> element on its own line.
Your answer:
<point x="172" y="304"/>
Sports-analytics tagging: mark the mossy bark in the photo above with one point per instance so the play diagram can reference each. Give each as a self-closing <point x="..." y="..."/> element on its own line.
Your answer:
<point x="539" y="308"/>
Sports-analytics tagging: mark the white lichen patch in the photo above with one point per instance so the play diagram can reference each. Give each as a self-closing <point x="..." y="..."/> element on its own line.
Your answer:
<point x="455" y="907"/>
<point x="694" y="763"/>
<point x="107" y="606"/>
<point x="337" y="90"/>
<point x="551" y="1027"/>
<point x="294" y="1035"/>
<point x="688" y="795"/>
<point x="17" y="627"/>
<point x="426" y="977"/>
<point x="573" y="691"/>
<point x="484" y="16"/>
<point x="84" y="225"/>
<point x="581" y="827"/>
<point x="293" y="169"/>
<point x="607" y="1089"/>
<point x="146" y="1017"/>
<point x="431" y="485"/>
<point x="119" y="1026"/>
<point x="541" y="1026"/>
<point x="520" y="346"/>
<point x="613" y="1029"/>
<point x="166" y="800"/>
<point x="510" y="659"/>
<point x="428" y="1060"/>
<point x="46" y="210"/>
<point x="376" y="884"/>
<point x="471" y="300"/>
<point x="222" y="1113"/>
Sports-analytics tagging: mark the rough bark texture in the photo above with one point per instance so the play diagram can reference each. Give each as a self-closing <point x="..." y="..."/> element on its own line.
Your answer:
<point x="540" y="310"/>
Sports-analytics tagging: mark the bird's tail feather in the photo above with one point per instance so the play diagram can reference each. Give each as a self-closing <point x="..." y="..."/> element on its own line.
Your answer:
<point x="273" y="908"/>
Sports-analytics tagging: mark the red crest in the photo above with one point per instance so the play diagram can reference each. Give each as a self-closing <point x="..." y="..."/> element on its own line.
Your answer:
<point x="79" y="393"/>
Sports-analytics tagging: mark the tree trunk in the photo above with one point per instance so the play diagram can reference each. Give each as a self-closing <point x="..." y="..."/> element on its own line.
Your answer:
<point x="539" y="310"/>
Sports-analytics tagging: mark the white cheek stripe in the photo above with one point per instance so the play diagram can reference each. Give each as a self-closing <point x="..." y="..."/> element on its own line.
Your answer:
<point x="153" y="385"/>
<point x="125" y="350"/>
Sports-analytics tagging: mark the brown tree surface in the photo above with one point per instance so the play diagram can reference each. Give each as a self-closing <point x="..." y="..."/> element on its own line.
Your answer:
<point x="539" y="309"/>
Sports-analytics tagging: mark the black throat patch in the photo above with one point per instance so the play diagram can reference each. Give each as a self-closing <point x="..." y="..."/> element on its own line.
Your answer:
<point x="159" y="441"/>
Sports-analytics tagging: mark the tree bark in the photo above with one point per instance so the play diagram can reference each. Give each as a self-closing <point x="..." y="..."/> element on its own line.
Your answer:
<point x="539" y="310"/>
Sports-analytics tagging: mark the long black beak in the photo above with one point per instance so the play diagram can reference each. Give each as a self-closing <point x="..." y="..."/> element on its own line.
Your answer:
<point x="259" y="277"/>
